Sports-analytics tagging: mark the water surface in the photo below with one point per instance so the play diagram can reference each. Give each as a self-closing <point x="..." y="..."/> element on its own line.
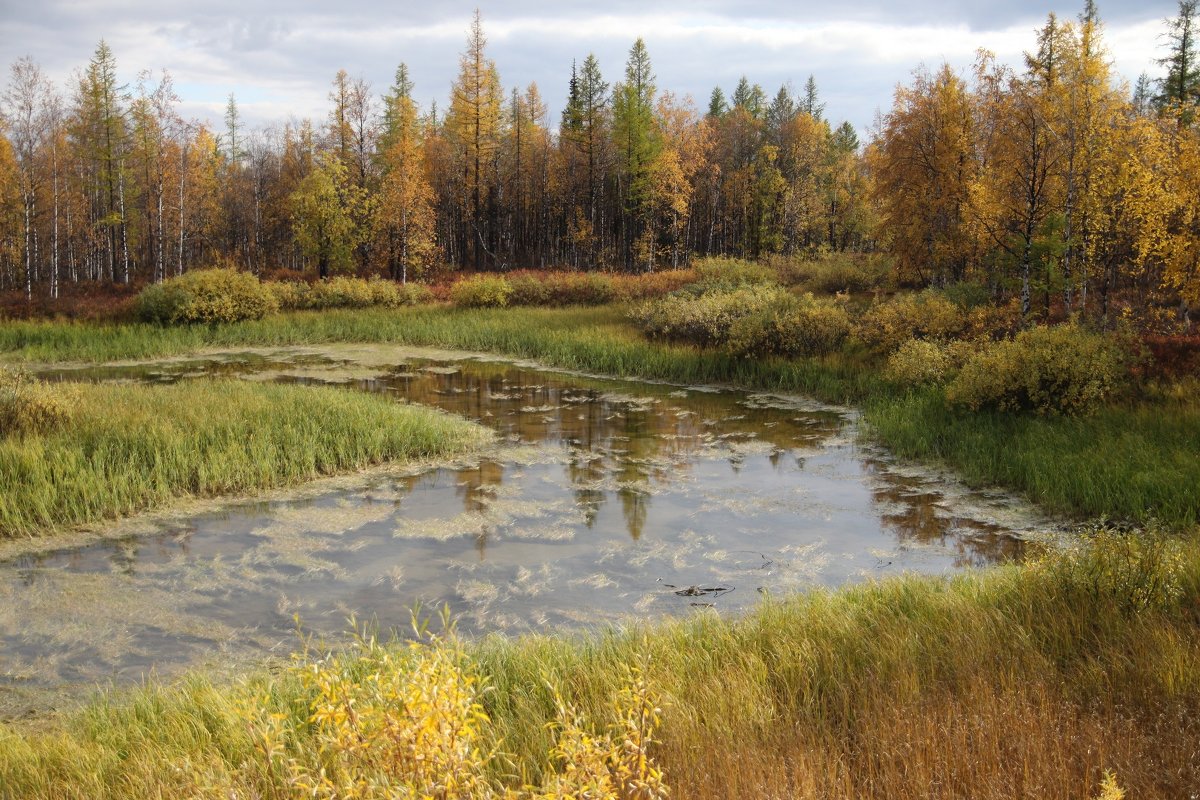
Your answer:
<point x="605" y="500"/>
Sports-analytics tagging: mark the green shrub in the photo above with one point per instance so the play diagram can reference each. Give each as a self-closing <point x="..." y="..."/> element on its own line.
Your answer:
<point x="928" y="315"/>
<point x="1050" y="370"/>
<point x="790" y="326"/>
<point x="206" y="296"/>
<point x="481" y="291"/>
<point x="28" y="405"/>
<point x="716" y="273"/>
<point x="706" y="318"/>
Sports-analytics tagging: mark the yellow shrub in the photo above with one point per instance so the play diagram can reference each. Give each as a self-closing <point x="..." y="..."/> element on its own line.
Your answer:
<point x="481" y="291"/>
<point x="1050" y="370"/>
<point x="885" y="326"/>
<point x="706" y="317"/>
<point x="206" y="296"/>
<point x="790" y="326"/>
<point x="387" y="722"/>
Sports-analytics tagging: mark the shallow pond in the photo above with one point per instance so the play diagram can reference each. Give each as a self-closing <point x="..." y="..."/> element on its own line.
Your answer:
<point x="604" y="500"/>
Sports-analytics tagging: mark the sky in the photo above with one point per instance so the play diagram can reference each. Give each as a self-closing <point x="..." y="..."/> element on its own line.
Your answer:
<point x="279" y="59"/>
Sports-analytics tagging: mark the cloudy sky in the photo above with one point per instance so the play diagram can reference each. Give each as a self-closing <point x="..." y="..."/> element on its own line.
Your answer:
<point x="279" y="58"/>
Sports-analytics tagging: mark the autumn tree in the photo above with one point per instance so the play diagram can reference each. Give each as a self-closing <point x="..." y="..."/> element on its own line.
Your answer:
<point x="403" y="220"/>
<point x="473" y="125"/>
<point x="924" y="166"/>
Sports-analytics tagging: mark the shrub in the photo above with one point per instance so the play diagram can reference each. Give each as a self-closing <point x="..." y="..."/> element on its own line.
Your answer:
<point x="714" y="273"/>
<point x="529" y="289"/>
<point x="28" y="405"/>
<point x="348" y="293"/>
<point x="790" y="326"/>
<point x="207" y="296"/>
<point x="834" y="272"/>
<point x="1136" y="570"/>
<point x="289" y="295"/>
<point x="561" y="289"/>
<point x="993" y="321"/>
<point x="1050" y="370"/>
<point x="481" y="291"/>
<point x="927" y="315"/>
<point x="920" y="362"/>
<point x="706" y="318"/>
<point x="652" y="284"/>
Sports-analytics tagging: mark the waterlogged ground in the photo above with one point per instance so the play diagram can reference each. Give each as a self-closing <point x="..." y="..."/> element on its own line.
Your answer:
<point x="604" y="500"/>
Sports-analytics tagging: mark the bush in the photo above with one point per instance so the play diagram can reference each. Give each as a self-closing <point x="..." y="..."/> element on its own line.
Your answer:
<point x="928" y="315"/>
<point x="28" y="405"/>
<point x="918" y="362"/>
<point x="561" y="289"/>
<point x="729" y="273"/>
<point x="1050" y="370"/>
<point x="1135" y="570"/>
<point x="790" y="326"/>
<point x="348" y="293"/>
<point x="652" y="284"/>
<point x="206" y="296"/>
<point x="481" y="291"/>
<point x="835" y="272"/>
<point x="706" y="318"/>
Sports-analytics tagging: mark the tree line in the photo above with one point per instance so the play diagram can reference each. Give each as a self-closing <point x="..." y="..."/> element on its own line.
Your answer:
<point x="1051" y="181"/>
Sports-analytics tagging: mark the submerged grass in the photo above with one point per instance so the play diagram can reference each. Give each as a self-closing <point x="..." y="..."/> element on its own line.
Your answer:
<point x="1133" y="461"/>
<point x="130" y="448"/>
<point x="1023" y="681"/>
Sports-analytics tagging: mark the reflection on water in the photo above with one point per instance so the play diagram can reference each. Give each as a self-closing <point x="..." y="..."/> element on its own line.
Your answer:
<point x="607" y="499"/>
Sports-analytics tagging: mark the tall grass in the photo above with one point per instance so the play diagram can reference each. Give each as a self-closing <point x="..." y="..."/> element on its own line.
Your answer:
<point x="1023" y="681"/>
<point x="129" y="448"/>
<point x="1129" y="461"/>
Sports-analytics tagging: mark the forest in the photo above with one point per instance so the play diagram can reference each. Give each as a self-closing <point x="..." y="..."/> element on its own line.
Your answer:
<point x="1051" y="181"/>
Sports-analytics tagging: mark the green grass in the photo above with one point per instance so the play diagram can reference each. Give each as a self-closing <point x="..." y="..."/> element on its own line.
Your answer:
<point x="1020" y="681"/>
<point x="1132" y="461"/>
<point x="130" y="448"/>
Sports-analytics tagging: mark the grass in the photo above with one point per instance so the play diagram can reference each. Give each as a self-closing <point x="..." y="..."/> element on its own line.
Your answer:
<point x="1133" y="461"/>
<point x="1021" y="681"/>
<point x="130" y="448"/>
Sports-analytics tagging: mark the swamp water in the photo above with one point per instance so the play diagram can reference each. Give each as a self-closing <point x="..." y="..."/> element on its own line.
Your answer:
<point x="602" y="501"/>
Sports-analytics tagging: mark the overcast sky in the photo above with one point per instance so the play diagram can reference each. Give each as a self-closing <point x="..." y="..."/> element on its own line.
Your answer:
<point x="279" y="58"/>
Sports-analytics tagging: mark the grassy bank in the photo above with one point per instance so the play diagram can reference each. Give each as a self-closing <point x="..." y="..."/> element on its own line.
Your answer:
<point x="1133" y="460"/>
<point x="130" y="448"/>
<point x="1024" y="681"/>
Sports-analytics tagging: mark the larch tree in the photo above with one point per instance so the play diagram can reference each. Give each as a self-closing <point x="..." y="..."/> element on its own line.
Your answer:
<point x="473" y="124"/>
<point x="404" y="220"/>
